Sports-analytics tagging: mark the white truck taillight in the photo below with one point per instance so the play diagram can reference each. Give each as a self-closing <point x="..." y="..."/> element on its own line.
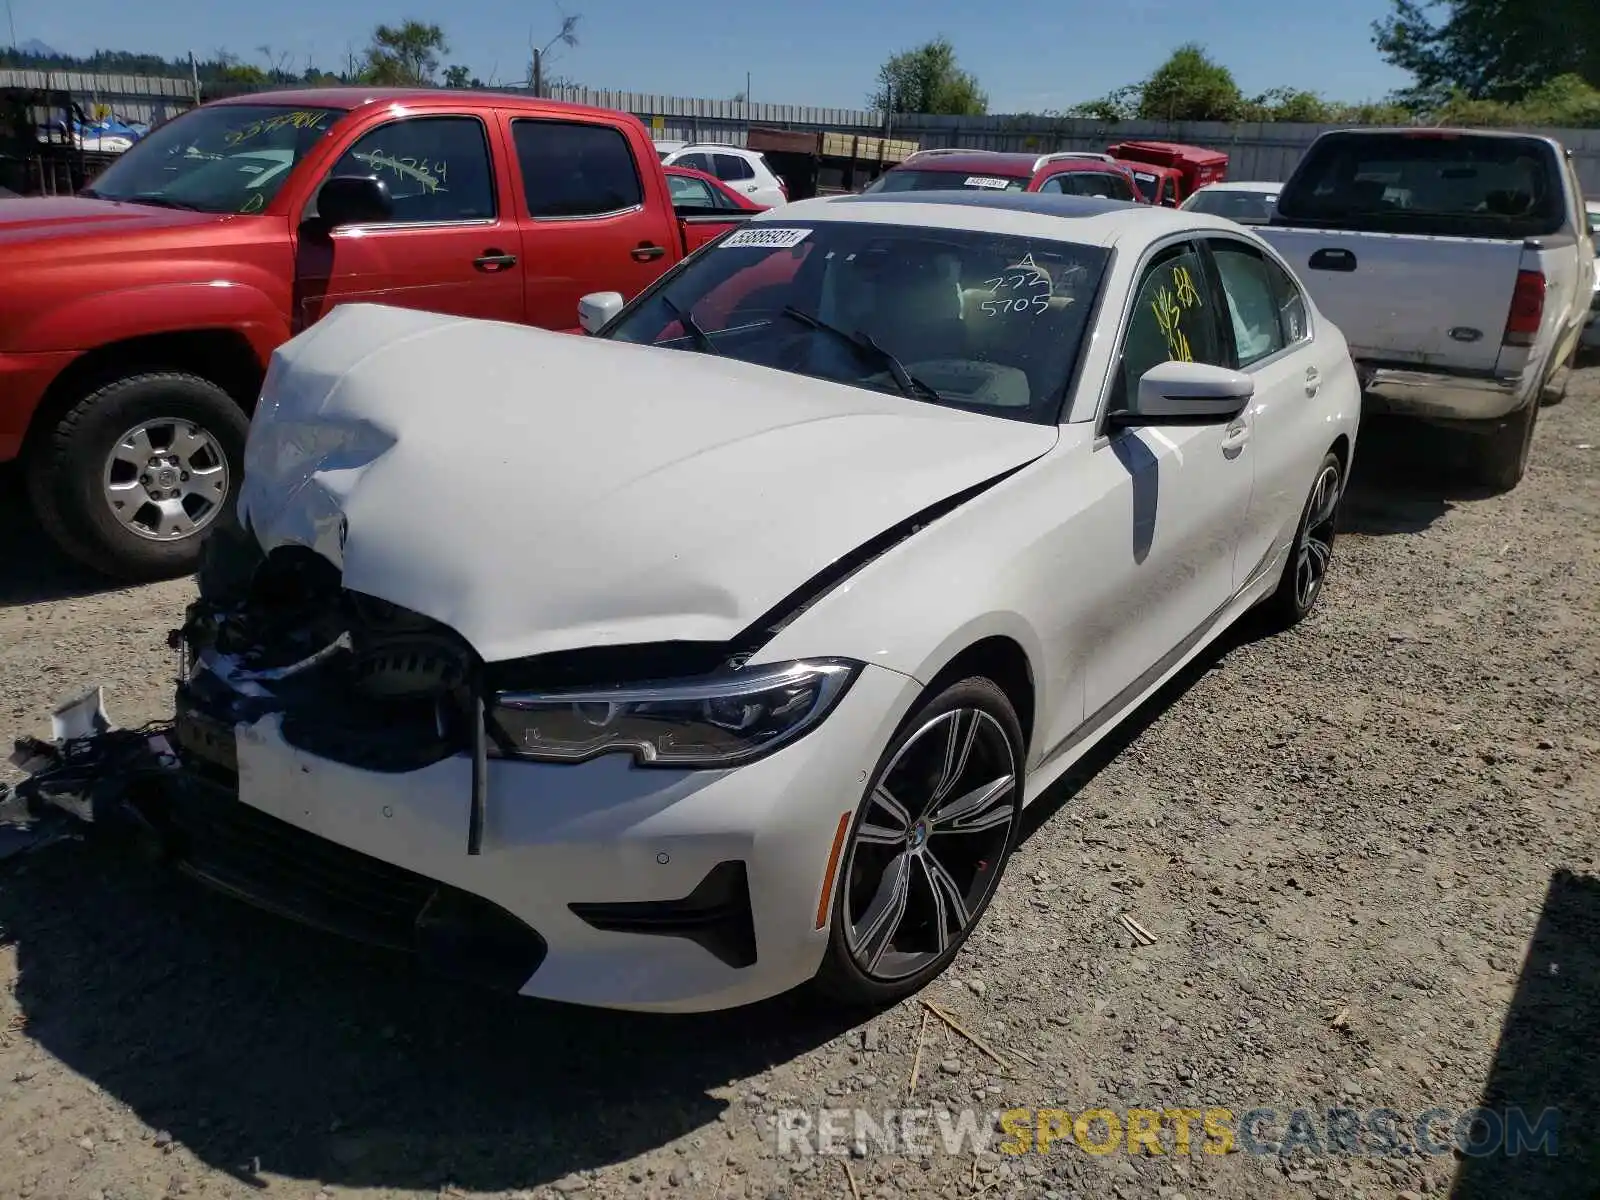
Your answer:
<point x="1527" y="309"/>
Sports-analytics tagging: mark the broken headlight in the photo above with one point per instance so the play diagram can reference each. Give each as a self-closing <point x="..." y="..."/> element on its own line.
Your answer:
<point x="705" y="722"/>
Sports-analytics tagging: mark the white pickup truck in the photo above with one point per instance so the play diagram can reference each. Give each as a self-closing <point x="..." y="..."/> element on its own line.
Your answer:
<point x="1459" y="264"/>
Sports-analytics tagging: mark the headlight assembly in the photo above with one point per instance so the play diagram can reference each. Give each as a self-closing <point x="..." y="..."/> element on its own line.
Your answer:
<point x="705" y="722"/>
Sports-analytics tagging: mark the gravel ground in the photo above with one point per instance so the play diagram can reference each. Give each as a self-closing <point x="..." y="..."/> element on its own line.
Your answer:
<point x="1366" y="851"/>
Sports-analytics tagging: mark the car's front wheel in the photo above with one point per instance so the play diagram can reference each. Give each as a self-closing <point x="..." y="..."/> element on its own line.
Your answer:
<point x="928" y="845"/>
<point x="134" y="472"/>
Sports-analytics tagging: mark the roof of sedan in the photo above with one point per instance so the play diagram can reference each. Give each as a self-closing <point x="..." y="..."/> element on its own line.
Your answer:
<point x="1054" y="215"/>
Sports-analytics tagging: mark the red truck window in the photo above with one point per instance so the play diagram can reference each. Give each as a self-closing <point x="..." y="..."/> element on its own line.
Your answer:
<point x="572" y="169"/>
<point x="436" y="168"/>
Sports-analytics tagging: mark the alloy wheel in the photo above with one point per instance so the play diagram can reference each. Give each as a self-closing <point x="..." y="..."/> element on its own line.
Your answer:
<point x="930" y="844"/>
<point x="1316" y="542"/>
<point x="166" y="479"/>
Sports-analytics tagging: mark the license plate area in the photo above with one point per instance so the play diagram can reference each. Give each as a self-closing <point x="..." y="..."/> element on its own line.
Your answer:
<point x="206" y="738"/>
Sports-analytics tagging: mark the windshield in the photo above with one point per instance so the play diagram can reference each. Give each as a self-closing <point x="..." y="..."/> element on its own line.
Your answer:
<point x="1448" y="184"/>
<point x="947" y="181"/>
<point x="1248" y="208"/>
<point x="977" y="321"/>
<point x="1148" y="184"/>
<point x="231" y="158"/>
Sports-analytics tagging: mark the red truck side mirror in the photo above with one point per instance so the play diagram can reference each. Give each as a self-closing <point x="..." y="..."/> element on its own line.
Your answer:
<point x="353" y="200"/>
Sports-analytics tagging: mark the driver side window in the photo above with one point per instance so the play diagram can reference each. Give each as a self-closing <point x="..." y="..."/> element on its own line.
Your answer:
<point x="1173" y="319"/>
<point x="436" y="168"/>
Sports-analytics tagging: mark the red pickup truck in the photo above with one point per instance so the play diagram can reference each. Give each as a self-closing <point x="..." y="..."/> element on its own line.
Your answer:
<point x="137" y="318"/>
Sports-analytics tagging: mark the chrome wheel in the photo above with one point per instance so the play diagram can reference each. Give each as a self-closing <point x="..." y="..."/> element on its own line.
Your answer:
<point x="1316" y="542"/>
<point x="166" y="479"/>
<point x="930" y="843"/>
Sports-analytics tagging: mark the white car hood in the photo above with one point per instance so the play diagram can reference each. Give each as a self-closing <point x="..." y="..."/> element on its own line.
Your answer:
<point x="542" y="491"/>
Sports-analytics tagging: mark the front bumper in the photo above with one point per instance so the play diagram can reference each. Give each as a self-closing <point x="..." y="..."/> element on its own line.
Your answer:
<point x="613" y="885"/>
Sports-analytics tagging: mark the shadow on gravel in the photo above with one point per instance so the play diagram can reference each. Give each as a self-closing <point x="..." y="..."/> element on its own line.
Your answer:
<point x="1548" y="1059"/>
<point x="33" y="570"/>
<point x="1407" y="475"/>
<point x="247" y="1038"/>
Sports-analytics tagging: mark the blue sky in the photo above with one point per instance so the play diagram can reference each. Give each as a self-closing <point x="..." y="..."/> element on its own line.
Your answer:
<point x="1029" y="55"/>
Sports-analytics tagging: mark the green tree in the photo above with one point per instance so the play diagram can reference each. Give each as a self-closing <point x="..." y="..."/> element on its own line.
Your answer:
<point x="928" y="80"/>
<point x="1189" y="86"/>
<point x="457" y="76"/>
<point x="1489" y="49"/>
<point x="404" y="55"/>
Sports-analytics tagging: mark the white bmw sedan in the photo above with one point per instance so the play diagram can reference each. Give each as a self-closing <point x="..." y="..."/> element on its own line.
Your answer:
<point x="719" y="652"/>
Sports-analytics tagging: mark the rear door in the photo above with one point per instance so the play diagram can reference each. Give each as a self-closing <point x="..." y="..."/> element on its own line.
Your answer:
<point x="450" y="245"/>
<point x="589" y="220"/>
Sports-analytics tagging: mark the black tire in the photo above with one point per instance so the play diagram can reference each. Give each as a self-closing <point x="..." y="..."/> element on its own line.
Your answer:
<point x="1500" y="457"/>
<point x="1292" y="601"/>
<point x="66" y="471"/>
<point x="841" y="980"/>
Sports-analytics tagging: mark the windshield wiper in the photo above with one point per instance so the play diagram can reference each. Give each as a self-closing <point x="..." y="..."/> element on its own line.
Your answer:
<point x="153" y="201"/>
<point x="692" y="327"/>
<point x="870" y="347"/>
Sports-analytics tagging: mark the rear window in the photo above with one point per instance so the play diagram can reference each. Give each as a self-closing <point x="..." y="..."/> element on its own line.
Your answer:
<point x="1248" y="208"/>
<point x="1445" y="184"/>
<point x="1109" y="184"/>
<point x="947" y="181"/>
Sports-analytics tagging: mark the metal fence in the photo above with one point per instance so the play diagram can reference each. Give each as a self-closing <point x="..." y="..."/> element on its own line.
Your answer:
<point x="1256" y="151"/>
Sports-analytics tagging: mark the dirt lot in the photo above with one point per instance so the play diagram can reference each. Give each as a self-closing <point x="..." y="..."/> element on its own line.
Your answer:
<point x="1366" y="852"/>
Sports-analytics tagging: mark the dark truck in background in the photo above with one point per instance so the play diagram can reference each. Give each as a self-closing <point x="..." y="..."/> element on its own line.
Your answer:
<point x="1459" y="264"/>
<point x="138" y="316"/>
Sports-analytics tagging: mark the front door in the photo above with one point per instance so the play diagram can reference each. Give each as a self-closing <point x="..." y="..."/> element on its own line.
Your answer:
<point x="1170" y="500"/>
<point x="585" y="226"/>
<point x="449" y="245"/>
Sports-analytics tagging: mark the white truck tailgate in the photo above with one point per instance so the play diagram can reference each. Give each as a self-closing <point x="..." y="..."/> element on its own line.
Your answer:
<point x="1403" y="298"/>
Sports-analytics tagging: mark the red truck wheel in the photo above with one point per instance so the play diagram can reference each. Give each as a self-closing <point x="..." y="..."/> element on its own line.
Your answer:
<point x="135" y="472"/>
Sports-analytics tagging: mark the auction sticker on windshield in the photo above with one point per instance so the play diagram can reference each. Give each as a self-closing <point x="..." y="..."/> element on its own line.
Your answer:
<point x="987" y="181"/>
<point x="770" y="239"/>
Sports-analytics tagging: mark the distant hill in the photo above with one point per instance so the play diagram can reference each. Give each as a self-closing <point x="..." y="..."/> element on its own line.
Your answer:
<point x="35" y="46"/>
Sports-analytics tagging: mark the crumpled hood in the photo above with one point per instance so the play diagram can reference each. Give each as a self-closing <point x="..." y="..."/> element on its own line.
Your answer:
<point x="538" y="491"/>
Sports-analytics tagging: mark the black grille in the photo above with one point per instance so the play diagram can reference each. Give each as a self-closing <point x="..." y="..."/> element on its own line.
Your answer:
<point x="274" y="865"/>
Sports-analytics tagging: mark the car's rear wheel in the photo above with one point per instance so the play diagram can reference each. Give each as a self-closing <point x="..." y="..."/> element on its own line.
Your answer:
<point x="1300" y="585"/>
<point x="928" y="845"/>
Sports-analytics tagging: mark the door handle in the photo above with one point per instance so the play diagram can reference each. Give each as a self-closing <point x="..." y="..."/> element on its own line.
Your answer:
<point x="494" y="260"/>
<point x="645" y="252"/>
<point x="1234" y="437"/>
<point x="1313" y="381"/>
<point x="1333" y="258"/>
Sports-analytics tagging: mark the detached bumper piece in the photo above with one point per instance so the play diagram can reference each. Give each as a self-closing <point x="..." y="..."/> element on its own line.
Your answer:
<point x="210" y="835"/>
<point x="715" y="916"/>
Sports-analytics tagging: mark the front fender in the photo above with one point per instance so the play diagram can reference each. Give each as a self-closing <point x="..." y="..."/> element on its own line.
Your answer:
<point x="103" y="317"/>
<point x="975" y="573"/>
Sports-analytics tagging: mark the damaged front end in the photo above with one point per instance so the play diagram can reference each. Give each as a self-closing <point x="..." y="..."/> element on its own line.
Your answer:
<point x="348" y="678"/>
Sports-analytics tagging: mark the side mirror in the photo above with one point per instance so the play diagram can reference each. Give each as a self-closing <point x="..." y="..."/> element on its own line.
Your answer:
<point x="353" y="200"/>
<point x="1186" y="393"/>
<point x="597" y="308"/>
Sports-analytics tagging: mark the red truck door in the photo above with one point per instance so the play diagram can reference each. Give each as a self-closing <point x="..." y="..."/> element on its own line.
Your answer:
<point x="593" y="219"/>
<point x="451" y="244"/>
